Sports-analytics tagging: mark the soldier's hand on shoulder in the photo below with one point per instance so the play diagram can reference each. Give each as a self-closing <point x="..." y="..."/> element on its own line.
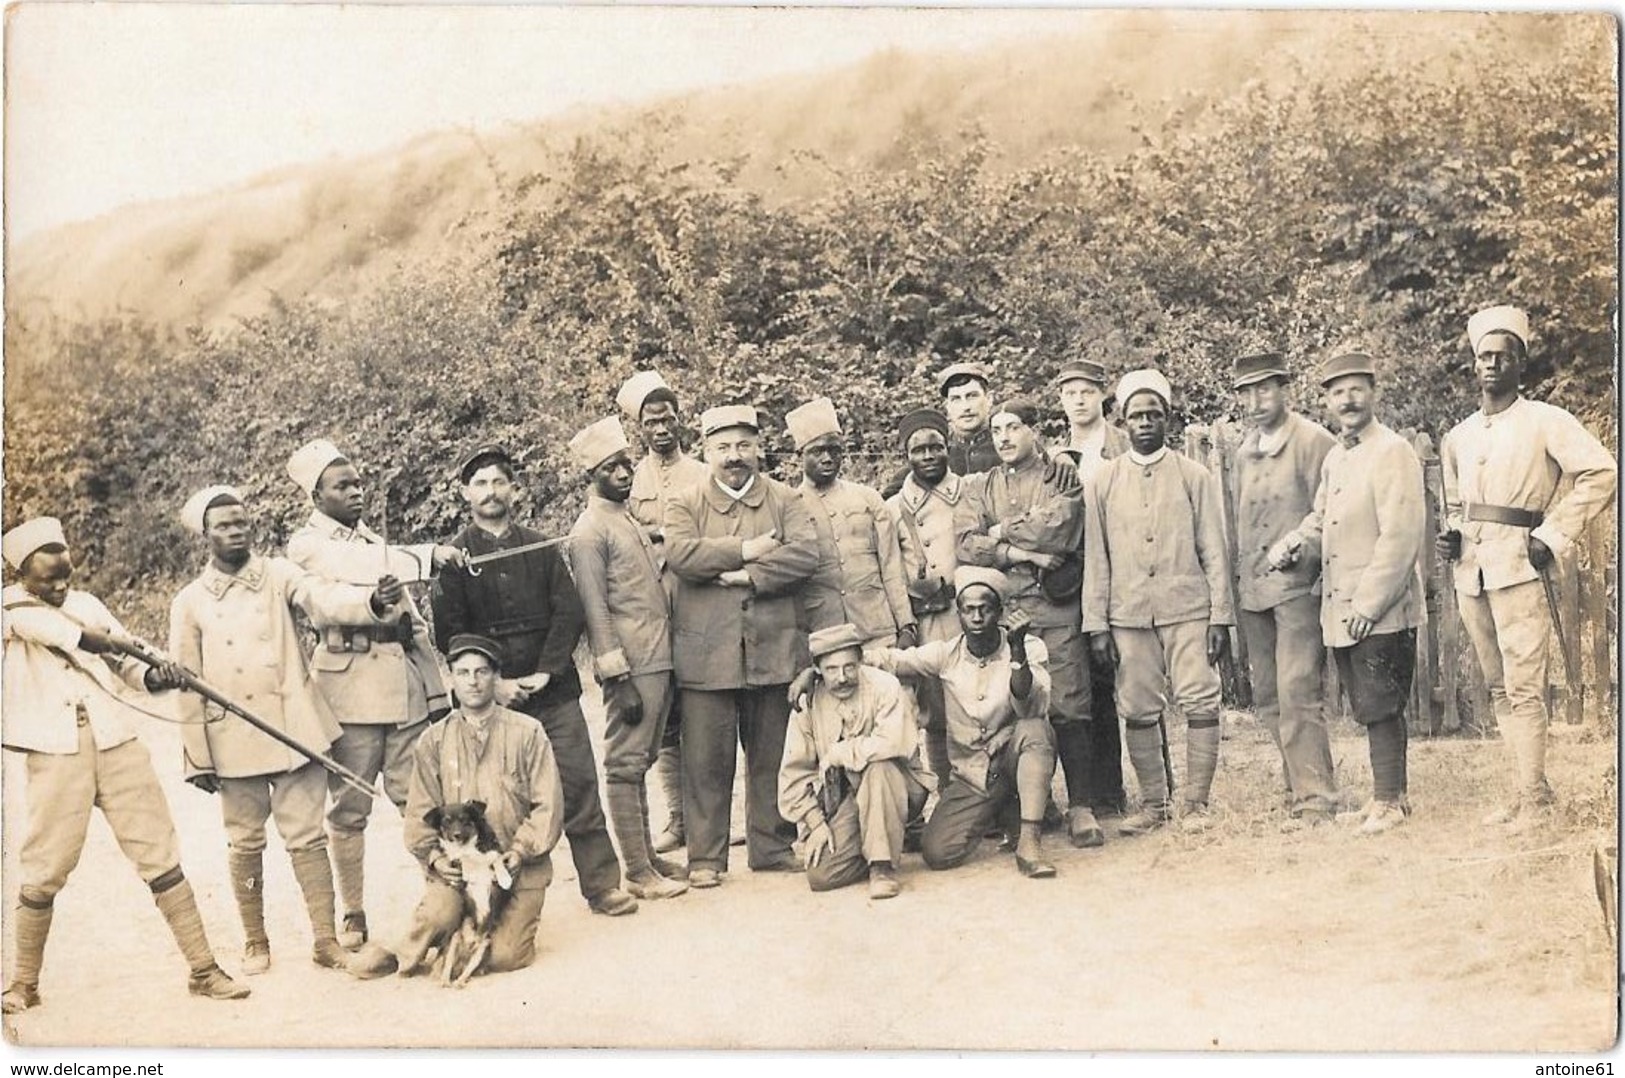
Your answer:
<point x="801" y="688"/>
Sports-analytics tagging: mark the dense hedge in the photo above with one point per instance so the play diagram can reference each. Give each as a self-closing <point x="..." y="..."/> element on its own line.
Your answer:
<point x="1374" y="210"/>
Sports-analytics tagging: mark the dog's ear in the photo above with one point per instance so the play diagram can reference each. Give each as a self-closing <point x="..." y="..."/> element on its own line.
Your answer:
<point x="478" y="807"/>
<point x="432" y="817"/>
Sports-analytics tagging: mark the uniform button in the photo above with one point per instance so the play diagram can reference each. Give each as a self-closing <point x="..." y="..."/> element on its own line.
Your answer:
<point x="981" y="696"/>
<point x="1151" y="571"/>
<point x="927" y="542"/>
<point x="1483" y="460"/>
<point x="1332" y="521"/>
<point x="1151" y="538"/>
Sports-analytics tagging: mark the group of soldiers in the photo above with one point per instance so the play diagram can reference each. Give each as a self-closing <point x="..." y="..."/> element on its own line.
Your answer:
<point x="1002" y="609"/>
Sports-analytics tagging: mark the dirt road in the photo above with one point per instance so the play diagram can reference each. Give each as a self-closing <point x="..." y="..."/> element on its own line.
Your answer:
<point x="1439" y="936"/>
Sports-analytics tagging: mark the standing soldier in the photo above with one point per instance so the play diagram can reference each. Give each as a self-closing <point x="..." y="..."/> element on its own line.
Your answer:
<point x="860" y="565"/>
<point x="1277" y="474"/>
<point x="1506" y="529"/>
<point x="924" y="510"/>
<point x="741" y="545"/>
<point x="1003" y="748"/>
<point x="1091" y="443"/>
<point x="234" y="626"/>
<point x="1368" y="520"/>
<point x="665" y="470"/>
<point x="846" y="780"/>
<point x="628" y="615"/>
<point x="1157" y="600"/>
<point x="1026" y="518"/>
<point x="525" y="601"/>
<point x="963" y="388"/>
<point x="75" y="726"/>
<point x="380" y="681"/>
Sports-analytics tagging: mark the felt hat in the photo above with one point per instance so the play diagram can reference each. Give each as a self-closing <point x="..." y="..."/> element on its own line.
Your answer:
<point x="1251" y="369"/>
<point x="463" y="643"/>
<point x="1143" y="379"/>
<point x="724" y="416"/>
<point x="1502" y="319"/>
<point x="834" y="638"/>
<point x="969" y="576"/>
<point x="956" y="371"/>
<point x="479" y="458"/>
<point x="921" y="419"/>
<point x="636" y="389"/>
<point x="812" y="421"/>
<point x="1348" y="363"/>
<point x="1086" y="370"/>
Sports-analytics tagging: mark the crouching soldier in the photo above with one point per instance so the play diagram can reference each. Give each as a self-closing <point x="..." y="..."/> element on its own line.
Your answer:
<point x="73" y="723"/>
<point x="481" y="752"/>
<point x="850" y="779"/>
<point x="1000" y="743"/>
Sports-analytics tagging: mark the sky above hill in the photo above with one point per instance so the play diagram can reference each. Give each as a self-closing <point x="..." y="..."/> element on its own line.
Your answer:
<point x="108" y="104"/>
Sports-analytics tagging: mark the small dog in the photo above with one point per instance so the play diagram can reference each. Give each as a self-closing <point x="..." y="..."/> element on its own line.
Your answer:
<point x="467" y="839"/>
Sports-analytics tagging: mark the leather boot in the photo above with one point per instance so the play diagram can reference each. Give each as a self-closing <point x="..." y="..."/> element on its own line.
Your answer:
<point x="349" y="853"/>
<point x="1030" y="852"/>
<point x="315" y="876"/>
<point x="248" y="885"/>
<point x="33" y="927"/>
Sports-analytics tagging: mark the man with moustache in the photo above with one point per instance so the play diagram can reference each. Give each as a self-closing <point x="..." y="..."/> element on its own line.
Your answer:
<point x="924" y="511"/>
<point x="646" y="400"/>
<point x="1080" y="386"/>
<point x="1025" y="518"/>
<point x="965" y="400"/>
<point x="860" y="568"/>
<point x="1506" y="527"/>
<point x="845" y="779"/>
<point x="71" y="712"/>
<point x="234" y="627"/>
<point x="741" y="545"/>
<point x="1368" y="520"/>
<point x="1157" y="600"/>
<point x="381" y="682"/>
<point x="527" y="603"/>
<point x="628" y="610"/>
<point x="1277" y="473"/>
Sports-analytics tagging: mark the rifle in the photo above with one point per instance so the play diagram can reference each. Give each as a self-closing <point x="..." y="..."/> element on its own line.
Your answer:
<point x="149" y="655"/>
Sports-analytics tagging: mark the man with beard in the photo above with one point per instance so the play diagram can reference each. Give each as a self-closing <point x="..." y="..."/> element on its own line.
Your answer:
<point x="1506" y="529"/>
<point x="664" y="471"/>
<point x="629" y="633"/>
<point x="1026" y="518"/>
<point x="381" y="682"/>
<point x="526" y="602"/>
<point x="1368" y="519"/>
<point x="70" y="714"/>
<point x="234" y="627"/>
<point x="860" y="566"/>
<point x="845" y="779"/>
<point x="1157" y="600"/>
<point x="740" y="545"/>
<point x="1091" y="442"/>
<point x="924" y="511"/>
<point x="1277" y="473"/>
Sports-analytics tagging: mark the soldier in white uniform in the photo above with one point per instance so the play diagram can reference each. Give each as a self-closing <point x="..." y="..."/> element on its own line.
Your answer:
<point x="1506" y="527"/>
<point x="382" y="683"/>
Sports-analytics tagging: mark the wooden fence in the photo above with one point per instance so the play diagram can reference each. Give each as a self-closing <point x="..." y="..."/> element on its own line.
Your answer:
<point x="1448" y="694"/>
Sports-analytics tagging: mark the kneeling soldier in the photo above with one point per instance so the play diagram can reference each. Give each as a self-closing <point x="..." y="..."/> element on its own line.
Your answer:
<point x="74" y="725"/>
<point x="846" y="780"/>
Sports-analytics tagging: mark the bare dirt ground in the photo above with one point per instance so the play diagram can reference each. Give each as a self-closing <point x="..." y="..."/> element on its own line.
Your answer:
<point x="1441" y="936"/>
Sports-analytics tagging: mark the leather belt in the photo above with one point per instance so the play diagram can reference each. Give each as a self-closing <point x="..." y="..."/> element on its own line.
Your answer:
<point x="1504" y="514"/>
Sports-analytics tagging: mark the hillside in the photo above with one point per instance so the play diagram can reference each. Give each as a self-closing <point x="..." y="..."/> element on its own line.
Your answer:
<point x="335" y="229"/>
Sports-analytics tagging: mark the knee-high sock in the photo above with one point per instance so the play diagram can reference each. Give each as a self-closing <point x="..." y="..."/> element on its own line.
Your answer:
<point x="625" y="803"/>
<point x="1387" y="743"/>
<point x="349" y="850"/>
<point x="1201" y="757"/>
<point x="33" y="927"/>
<point x="1145" y="753"/>
<point x="248" y="885"/>
<point x="315" y="876"/>
<point x="179" y="906"/>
